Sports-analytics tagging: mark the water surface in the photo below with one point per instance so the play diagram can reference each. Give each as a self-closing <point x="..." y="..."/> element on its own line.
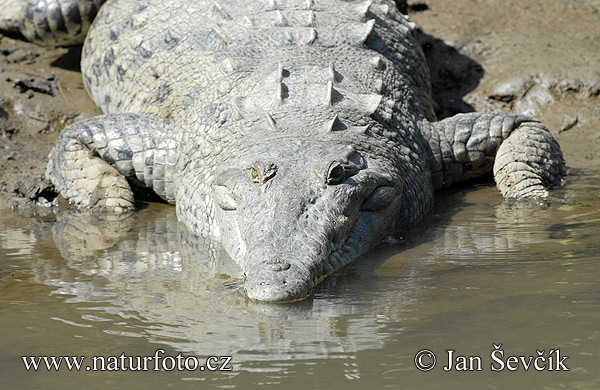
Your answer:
<point x="478" y="272"/>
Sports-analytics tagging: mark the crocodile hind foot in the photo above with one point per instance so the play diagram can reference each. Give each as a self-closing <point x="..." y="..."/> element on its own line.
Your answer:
<point x="95" y="161"/>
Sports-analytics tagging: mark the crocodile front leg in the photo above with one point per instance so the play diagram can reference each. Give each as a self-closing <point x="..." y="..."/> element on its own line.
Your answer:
<point x="521" y="152"/>
<point x="95" y="160"/>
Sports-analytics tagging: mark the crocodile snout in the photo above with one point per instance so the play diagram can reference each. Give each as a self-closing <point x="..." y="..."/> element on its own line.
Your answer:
<point x="277" y="265"/>
<point x="277" y="281"/>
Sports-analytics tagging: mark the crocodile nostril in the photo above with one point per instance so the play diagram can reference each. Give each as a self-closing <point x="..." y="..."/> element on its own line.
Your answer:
<point x="278" y="265"/>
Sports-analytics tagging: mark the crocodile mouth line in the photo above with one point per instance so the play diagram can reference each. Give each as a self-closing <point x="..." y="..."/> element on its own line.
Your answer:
<point x="341" y="254"/>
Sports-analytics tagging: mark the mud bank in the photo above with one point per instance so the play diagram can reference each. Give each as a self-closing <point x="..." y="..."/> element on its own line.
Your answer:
<point x="41" y="92"/>
<point x="539" y="57"/>
<point x="534" y="57"/>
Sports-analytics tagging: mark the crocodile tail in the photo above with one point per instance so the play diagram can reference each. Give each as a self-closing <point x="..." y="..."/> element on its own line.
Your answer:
<point x="10" y="11"/>
<point x="57" y="22"/>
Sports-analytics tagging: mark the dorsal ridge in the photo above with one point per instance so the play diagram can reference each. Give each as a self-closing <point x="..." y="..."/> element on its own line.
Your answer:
<point x="332" y="72"/>
<point x="222" y="36"/>
<point x="312" y="37"/>
<point x="273" y="5"/>
<point x="334" y="124"/>
<point x="364" y="8"/>
<point x="369" y="26"/>
<point x="281" y="20"/>
<point x="329" y="93"/>
<point x="270" y="122"/>
<point x="220" y="10"/>
<point x="310" y="21"/>
<point x="281" y="88"/>
<point x="377" y="62"/>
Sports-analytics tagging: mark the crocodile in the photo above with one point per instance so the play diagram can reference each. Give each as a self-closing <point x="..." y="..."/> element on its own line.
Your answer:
<point x="297" y="133"/>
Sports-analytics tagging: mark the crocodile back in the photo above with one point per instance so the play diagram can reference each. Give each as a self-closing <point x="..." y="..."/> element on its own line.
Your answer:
<point x="184" y="59"/>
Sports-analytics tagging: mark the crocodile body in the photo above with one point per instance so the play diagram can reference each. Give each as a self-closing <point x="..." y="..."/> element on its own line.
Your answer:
<point x="298" y="132"/>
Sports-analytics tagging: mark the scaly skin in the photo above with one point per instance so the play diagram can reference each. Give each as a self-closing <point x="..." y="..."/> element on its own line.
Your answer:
<point x="49" y="22"/>
<point x="299" y="133"/>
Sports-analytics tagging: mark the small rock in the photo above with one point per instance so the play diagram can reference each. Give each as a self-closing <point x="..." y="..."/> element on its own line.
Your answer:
<point x="35" y="188"/>
<point x="511" y="89"/>
<point x="535" y="99"/>
<point x="417" y="7"/>
<point x="43" y="202"/>
<point x="568" y="123"/>
<point x="569" y="86"/>
<point x="45" y="84"/>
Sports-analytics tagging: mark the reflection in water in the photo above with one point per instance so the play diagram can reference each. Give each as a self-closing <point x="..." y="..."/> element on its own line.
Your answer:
<point x="478" y="272"/>
<point x="505" y="234"/>
<point x="187" y="289"/>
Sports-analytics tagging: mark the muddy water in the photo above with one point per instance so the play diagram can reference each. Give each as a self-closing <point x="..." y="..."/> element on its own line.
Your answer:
<point x="479" y="272"/>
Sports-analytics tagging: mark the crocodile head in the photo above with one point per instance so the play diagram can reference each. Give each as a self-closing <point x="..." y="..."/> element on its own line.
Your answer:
<point x="291" y="211"/>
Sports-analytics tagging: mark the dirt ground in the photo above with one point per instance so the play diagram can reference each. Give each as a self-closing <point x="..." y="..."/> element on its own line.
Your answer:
<point x="538" y="57"/>
<point x="41" y="91"/>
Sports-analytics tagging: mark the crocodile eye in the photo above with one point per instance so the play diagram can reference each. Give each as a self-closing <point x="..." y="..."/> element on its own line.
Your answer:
<point x="261" y="172"/>
<point x="254" y="174"/>
<point x="336" y="173"/>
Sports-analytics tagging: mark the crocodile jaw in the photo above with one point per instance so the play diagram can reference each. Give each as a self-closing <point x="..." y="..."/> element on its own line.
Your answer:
<point x="291" y="211"/>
